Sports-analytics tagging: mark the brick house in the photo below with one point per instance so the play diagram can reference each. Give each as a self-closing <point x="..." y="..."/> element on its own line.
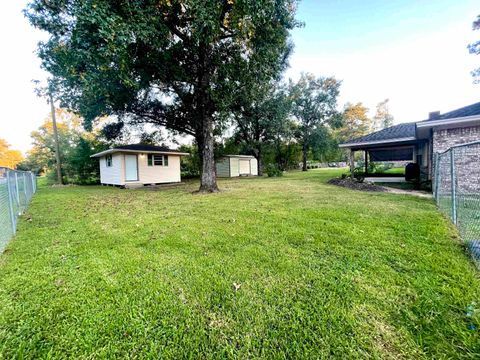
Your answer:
<point x="418" y="142"/>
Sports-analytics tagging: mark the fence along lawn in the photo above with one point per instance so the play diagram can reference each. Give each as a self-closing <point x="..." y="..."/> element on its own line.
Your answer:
<point x="287" y="267"/>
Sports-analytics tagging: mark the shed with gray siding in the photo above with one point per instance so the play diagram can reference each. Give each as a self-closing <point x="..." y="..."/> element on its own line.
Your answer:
<point x="236" y="165"/>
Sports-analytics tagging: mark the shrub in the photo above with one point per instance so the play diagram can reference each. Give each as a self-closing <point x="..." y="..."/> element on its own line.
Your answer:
<point x="273" y="170"/>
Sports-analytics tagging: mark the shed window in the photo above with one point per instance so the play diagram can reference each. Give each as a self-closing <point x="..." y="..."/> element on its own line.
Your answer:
<point x="157" y="160"/>
<point x="108" y="160"/>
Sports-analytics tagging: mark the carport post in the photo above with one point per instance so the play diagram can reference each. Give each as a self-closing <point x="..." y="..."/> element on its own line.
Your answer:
<point x="366" y="162"/>
<point x="352" y="163"/>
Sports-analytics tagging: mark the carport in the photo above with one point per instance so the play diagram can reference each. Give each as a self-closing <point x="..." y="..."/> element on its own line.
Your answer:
<point x="396" y="143"/>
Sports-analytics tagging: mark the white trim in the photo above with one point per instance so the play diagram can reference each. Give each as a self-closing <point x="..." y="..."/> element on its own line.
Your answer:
<point x="112" y="151"/>
<point x="453" y="121"/>
<point x="240" y="156"/>
<point x="153" y="160"/>
<point x="395" y="140"/>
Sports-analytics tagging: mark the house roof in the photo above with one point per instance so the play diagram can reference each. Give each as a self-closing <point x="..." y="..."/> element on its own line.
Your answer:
<point x="140" y="148"/>
<point x="470" y="110"/>
<point x="465" y="116"/>
<point x="396" y="133"/>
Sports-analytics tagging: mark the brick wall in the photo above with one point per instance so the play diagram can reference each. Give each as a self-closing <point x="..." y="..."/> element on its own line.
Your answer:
<point x="467" y="159"/>
<point x="444" y="139"/>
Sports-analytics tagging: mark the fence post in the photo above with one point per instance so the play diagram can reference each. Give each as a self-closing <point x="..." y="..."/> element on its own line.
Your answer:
<point x="10" y="203"/>
<point x="437" y="175"/>
<point x="18" y="193"/>
<point x="25" y="189"/>
<point x="453" y="178"/>
<point x="34" y="185"/>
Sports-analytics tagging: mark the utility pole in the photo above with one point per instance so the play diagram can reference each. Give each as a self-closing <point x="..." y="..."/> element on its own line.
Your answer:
<point x="55" y="137"/>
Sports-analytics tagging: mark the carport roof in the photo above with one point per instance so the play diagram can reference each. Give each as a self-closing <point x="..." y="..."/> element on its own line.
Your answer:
<point x="397" y="133"/>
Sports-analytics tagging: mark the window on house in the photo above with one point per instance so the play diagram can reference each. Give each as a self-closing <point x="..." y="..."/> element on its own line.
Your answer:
<point x="108" y="160"/>
<point x="157" y="160"/>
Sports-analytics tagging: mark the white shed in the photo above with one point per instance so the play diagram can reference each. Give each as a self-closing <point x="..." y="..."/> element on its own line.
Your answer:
<point x="236" y="165"/>
<point x="138" y="165"/>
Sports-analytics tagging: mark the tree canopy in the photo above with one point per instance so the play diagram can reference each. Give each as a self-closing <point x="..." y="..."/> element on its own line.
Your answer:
<point x="382" y="118"/>
<point x="76" y="146"/>
<point x="9" y="157"/>
<point x="314" y="103"/>
<point x="175" y="63"/>
<point x="474" y="48"/>
<point x="261" y="118"/>
<point x="356" y="122"/>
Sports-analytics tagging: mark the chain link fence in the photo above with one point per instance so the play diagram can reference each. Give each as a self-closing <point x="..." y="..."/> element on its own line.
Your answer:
<point x="16" y="191"/>
<point x="457" y="191"/>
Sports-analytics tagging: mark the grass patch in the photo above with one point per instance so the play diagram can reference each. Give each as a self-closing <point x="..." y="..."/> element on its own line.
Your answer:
<point x="398" y="171"/>
<point x="269" y="268"/>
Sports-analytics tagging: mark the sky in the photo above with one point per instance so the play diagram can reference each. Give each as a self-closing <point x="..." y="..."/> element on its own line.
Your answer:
<point x="409" y="51"/>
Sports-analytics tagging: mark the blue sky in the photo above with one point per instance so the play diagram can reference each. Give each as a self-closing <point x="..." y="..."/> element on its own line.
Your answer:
<point x="412" y="52"/>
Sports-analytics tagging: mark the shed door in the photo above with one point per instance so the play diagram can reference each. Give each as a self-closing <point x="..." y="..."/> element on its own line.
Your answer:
<point x="244" y="167"/>
<point x="131" y="168"/>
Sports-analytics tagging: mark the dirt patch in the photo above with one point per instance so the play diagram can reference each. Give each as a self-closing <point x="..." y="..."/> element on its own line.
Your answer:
<point x="355" y="185"/>
<point x="365" y="186"/>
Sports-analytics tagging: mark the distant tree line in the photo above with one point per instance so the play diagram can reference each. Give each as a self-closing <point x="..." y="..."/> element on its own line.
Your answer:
<point x="290" y="124"/>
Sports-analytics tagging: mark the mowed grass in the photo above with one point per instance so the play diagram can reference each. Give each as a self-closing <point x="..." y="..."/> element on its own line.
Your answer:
<point x="269" y="268"/>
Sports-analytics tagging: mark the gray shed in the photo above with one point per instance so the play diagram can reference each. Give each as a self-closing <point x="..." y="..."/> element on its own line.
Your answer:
<point x="236" y="165"/>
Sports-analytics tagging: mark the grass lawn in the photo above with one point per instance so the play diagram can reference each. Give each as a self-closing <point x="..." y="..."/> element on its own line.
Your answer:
<point x="269" y="268"/>
<point x="398" y="171"/>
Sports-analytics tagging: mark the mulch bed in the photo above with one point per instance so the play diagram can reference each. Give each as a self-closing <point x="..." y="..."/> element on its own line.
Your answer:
<point x="355" y="185"/>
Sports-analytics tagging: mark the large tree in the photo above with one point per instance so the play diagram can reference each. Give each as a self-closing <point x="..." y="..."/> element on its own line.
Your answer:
<point x="262" y="118"/>
<point x="355" y="122"/>
<point x="174" y="63"/>
<point x="314" y="103"/>
<point x="474" y="48"/>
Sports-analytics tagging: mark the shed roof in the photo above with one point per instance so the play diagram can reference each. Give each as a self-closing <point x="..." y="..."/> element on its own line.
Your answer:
<point x="240" y="156"/>
<point x="140" y="148"/>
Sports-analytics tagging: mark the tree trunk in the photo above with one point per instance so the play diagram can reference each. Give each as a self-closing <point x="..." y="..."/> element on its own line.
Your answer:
<point x="199" y="141"/>
<point x="208" y="180"/>
<point x="352" y="163"/>
<point x="58" y="164"/>
<point x="259" y="163"/>
<point x="305" y="151"/>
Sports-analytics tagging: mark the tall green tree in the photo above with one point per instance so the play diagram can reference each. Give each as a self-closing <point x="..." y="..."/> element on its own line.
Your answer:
<point x="314" y="103"/>
<point x="261" y="118"/>
<point x="174" y="63"/>
<point x="382" y="118"/>
<point x="474" y="48"/>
